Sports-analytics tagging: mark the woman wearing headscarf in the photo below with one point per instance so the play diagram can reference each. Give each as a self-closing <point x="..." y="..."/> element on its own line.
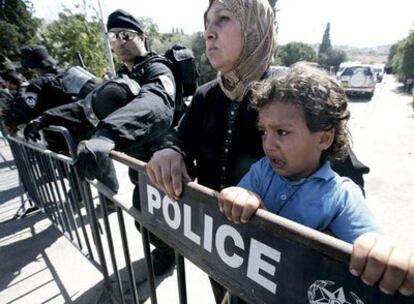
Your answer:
<point x="219" y="129"/>
<point x="218" y="132"/>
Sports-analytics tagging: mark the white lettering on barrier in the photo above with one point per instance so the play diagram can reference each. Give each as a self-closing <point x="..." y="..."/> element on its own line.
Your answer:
<point x="154" y="199"/>
<point x="223" y="232"/>
<point x="174" y="222"/>
<point x="187" y="225"/>
<point x="208" y="233"/>
<point x="256" y="263"/>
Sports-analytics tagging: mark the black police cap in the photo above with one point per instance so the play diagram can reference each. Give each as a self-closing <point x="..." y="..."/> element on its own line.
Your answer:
<point x="122" y="19"/>
<point x="36" y="56"/>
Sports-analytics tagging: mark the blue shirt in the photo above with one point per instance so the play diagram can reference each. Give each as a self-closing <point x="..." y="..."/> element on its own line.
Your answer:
<point x="322" y="201"/>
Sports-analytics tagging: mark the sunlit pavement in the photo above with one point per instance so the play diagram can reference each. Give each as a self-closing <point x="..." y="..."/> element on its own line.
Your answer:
<point x="383" y="138"/>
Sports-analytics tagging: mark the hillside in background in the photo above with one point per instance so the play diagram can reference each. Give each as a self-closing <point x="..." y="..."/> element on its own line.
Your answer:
<point x="377" y="54"/>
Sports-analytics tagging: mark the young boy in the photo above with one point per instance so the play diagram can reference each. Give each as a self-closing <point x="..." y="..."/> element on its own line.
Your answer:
<point x="303" y="117"/>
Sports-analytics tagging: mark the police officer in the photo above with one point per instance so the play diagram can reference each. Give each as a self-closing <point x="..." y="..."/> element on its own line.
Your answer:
<point x="45" y="91"/>
<point x="129" y="113"/>
<point x="13" y="85"/>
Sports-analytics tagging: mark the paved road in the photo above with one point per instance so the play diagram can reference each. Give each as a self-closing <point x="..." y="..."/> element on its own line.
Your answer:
<point x="383" y="138"/>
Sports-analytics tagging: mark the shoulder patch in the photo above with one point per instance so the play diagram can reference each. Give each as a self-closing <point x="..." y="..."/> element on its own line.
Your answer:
<point x="30" y="98"/>
<point x="167" y="84"/>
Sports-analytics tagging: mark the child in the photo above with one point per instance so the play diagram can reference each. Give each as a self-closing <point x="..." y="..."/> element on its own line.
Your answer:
<point x="303" y="117"/>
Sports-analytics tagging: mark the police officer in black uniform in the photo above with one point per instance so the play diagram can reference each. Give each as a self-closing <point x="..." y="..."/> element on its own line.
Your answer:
<point x="14" y="85"/>
<point x="128" y="113"/>
<point x="45" y="91"/>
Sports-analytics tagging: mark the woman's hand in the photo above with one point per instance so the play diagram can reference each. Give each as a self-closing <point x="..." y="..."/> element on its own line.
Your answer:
<point x="378" y="260"/>
<point x="167" y="171"/>
<point x="238" y="204"/>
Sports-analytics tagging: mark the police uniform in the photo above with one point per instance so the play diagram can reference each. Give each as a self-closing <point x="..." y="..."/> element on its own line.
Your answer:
<point x="133" y="120"/>
<point x="129" y="113"/>
<point x="43" y="92"/>
<point x="132" y="112"/>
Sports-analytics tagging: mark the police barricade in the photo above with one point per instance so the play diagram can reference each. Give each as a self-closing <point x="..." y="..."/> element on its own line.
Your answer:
<point x="52" y="183"/>
<point x="268" y="260"/>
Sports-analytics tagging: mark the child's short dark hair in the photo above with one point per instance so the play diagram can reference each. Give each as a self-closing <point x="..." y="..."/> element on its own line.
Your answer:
<point x="322" y="99"/>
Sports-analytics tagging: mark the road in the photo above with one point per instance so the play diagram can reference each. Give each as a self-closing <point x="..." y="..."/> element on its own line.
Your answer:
<point x="383" y="138"/>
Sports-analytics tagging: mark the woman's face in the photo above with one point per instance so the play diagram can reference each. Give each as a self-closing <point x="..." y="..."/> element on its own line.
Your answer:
<point x="223" y="35"/>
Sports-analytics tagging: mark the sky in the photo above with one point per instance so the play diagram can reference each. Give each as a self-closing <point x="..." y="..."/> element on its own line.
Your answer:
<point x="359" y="23"/>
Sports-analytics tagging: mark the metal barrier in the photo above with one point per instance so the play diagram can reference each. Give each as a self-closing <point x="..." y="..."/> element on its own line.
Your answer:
<point x="268" y="260"/>
<point x="52" y="183"/>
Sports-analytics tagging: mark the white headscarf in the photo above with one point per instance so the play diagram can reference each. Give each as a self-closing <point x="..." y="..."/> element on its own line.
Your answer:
<point x="257" y="25"/>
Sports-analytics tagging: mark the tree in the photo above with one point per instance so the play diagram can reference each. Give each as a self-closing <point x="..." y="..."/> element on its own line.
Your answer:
<point x="294" y="52"/>
<point x="406" y="50"/>
<point x="391" y="66"/>
<point x="151" y="28"/>
<point x="326" y="45"/>
<point x="401" y="58"/>
<point x="205" y="69"/>
<point x="18" y="26"/>
<point x="332" y="58"/>
<point x="328" y="56"/>
<point x="72" y="33"/>
<point x="10" y="39"/>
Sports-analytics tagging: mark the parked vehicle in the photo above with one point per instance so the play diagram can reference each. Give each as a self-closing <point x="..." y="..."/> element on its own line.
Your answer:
<point x="358" y="79"/>
<point x="344" y="65"/>
<point x="379" y="70"/>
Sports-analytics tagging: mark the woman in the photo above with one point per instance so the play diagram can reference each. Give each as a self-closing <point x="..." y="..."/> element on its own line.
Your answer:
<point x="219" y="131"/>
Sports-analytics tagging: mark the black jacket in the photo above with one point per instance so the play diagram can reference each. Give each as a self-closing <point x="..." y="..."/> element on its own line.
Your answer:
<point x="222" y="137"/>
<point x="135" y="126"/>
<point x="42" y="93"/>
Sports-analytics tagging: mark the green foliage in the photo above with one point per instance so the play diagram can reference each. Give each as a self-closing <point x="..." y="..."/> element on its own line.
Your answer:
<point x="150" y="27"/>
<point x="407" y="57"/>
<point x="331" y="58"/>
<point x="293" y="52"/>
<point x="71" y="33"/>
<point x="401" y="58"/>
<point x="164" y="41"/>
<point x="328" y="56"/>
<point x="205" y="69"/>
<point x="18" y="27"/>
<point x="10" y="43"/>
<point x="391" y="54"/>
<point x="326" y="45"/>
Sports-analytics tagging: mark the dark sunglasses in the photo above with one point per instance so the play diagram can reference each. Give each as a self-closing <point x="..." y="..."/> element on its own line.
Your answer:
<point x="121" y="35"/>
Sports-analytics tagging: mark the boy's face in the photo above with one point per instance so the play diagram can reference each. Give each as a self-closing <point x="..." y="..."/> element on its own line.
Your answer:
<point x="294" y="152"/>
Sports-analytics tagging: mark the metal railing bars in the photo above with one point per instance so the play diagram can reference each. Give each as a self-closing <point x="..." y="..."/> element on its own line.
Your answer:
<point x="107" y="226"/>
<point x="258" y="262"/>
